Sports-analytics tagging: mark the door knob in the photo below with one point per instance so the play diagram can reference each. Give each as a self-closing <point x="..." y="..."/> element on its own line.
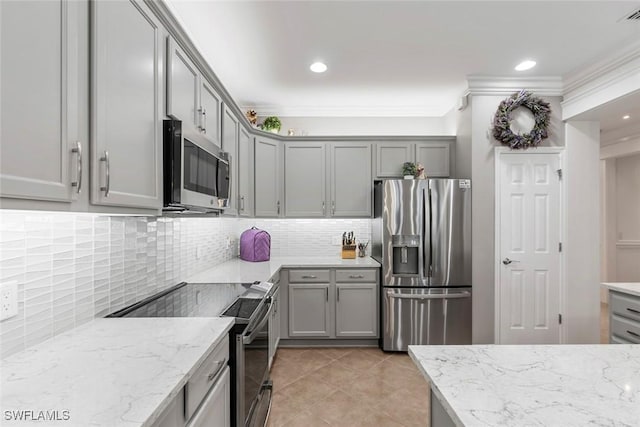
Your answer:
<point x="508" y="261"/>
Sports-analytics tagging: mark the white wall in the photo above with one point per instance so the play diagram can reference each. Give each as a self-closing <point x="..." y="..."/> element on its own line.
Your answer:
<point x="382" y="126"/>
<point x="483" y="108"/>
<point x="627" y="218"/>
<point x="583" y="232"/>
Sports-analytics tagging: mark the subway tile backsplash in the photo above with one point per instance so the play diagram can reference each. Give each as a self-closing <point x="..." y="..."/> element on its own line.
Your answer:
<point x="71" y="268"/>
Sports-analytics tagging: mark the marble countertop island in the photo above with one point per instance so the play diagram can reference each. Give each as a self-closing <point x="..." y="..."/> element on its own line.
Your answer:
<point x="239" y="271"/>
<point x="627" y="288"/>
<point x="526" y="385"/>
<point x="109" y="372"/>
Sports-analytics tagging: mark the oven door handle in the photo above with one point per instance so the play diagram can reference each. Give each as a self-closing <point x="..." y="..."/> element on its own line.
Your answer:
<point x="248" y="339"/>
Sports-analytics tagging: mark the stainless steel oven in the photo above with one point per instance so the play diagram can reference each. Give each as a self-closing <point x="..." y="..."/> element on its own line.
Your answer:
<point x="253" y="386"/>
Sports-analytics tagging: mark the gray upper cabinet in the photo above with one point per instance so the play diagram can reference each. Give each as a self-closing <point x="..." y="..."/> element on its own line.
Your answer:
<point x="434" y="156"/>
<point x="356" y="310"/>
<point x="126" y="155"/>
<point x="210" y="105"/>
<point x="183" y="89"/>
<point x="245" y="173"/>
<point x="390" y="157"/>
<point x="350" y="179"/>
<point x="39" y="100"/>
<point x="190" y="97"/>
<point x="305" y="193"/>
<point x="268" y="177"/>
<point x="230" y="146"/>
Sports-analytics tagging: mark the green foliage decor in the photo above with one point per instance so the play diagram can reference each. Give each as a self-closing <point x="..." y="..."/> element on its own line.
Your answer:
<point x="271" y="123"/>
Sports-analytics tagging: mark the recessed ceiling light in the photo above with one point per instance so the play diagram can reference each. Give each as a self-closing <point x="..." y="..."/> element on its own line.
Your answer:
<point x="318" y="67"/>
<point x="626" y="117"/>
<point x="525" y="65"/>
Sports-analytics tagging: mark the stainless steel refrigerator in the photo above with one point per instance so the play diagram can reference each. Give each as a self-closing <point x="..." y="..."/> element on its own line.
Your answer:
<point x="422" y="238"/>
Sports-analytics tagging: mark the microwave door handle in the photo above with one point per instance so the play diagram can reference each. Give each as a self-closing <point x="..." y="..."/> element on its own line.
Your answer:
<point x="248" y="339"/>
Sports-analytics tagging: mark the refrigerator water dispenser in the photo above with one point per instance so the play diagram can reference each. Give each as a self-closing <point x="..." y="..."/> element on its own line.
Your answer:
<point x="406" y="254"/>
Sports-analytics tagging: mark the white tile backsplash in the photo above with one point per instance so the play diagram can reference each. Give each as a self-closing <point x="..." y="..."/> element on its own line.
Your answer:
<point x="308" y="237"/>
<point x="71" y="268"/>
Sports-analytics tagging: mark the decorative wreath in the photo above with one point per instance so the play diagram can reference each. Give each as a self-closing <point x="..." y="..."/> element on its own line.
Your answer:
<point x="502" y="120"/>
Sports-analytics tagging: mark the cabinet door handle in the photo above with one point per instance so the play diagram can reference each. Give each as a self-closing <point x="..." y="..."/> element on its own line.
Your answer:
<point x="212" y="375"/>
<point x="107" y="185"/>
<point x="242" y="203"/>
<point x="333" y="208"/>
<point x="356" y="276"/>
<point x="278" y="206"/>
<point x="633" y="311"/>
<point x="199" y="121"/>
<point x="327" y="289"/>
<point x="309" y="277"/>
<point x="204" y="118"/>
<point x="338" y="289"/>
<point x="323" y="209"/>
<point x="78" y="182"/>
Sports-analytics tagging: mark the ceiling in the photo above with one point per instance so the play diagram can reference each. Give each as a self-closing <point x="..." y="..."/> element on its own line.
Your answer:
<point x="391" y="58"/>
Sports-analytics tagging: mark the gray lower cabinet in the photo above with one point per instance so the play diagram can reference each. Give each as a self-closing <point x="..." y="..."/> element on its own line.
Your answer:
<point x="245" y="173"/>
<point x="309" y="310"/>
<point x="230" y="135"/>
<point x="274" y="327"/>
<point x="268" y="177"/>
<point x="333" y="303"/>
<point x="127" y="100"/>
<point x="356" y="310"/>
<point x="304" y="186"/>
<point x="624" y="318"/>
<point x="39" y="100"/>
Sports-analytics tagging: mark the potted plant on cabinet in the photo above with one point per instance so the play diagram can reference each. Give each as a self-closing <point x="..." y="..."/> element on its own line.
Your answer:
<point x="272" y="124"/>
<point x="409" y="170"/>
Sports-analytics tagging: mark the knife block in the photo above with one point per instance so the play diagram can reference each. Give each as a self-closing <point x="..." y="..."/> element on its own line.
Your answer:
<point x="348" y="251"/>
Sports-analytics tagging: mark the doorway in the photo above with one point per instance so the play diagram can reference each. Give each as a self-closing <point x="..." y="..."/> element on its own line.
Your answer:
<point x="529" y="262"/>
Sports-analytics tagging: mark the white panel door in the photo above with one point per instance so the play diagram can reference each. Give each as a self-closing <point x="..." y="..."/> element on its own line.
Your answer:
<point x="529" y="238"/>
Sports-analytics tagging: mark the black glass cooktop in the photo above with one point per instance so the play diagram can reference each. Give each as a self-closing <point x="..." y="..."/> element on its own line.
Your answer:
<point x="198" y="300"/>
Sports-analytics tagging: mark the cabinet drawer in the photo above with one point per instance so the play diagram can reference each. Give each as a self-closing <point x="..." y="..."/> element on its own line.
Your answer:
<point x="204" y="377"/>
<point x="308" y="276"/>
<point x="369" y="276"/>
<point x="625" y="305"/>
<point x="626" y="329"/>
<point x="618" y="340"/>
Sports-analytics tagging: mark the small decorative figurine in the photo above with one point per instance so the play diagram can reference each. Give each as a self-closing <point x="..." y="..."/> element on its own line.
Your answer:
<point x="252" y="116"/>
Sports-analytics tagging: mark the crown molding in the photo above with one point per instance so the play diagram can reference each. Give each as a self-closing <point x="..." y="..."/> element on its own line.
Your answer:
<point x="501" y="85"/>
<point x="424" y="112"/>
<point x="620" y="134"/>
<point x="602" y="81"/>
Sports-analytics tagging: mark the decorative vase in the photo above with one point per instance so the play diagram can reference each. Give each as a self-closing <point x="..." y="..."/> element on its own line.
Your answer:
<point x="408" y="177"/>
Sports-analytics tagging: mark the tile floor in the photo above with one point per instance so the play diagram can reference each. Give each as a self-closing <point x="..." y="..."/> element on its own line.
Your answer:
<point x="347" y="387"/>
<point x="354" y="387"/>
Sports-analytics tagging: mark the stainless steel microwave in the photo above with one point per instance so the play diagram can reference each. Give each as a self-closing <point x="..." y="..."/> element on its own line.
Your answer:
<point x="196" y="173"/>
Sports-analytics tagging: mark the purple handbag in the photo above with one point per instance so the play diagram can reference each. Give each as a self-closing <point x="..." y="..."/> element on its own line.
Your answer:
<point x="255" y="245"/>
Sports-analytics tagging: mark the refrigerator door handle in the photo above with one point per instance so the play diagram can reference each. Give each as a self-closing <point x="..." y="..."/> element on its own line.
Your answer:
<point x="464" y="294"/>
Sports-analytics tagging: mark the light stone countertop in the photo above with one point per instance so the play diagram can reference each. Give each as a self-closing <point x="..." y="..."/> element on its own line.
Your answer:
<point x="109" y="372"/>
<point x="627" y="288"/>
<point x="527" y="385"/>
<point x="239" y="271"/>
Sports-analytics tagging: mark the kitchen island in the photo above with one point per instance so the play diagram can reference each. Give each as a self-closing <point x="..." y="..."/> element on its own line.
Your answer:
<point x="526" y="385"/>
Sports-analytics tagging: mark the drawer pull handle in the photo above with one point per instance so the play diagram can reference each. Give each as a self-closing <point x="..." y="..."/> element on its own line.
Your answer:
<point x="634" y="334"/>
<point x="633" y="311"/>
<point x="310" y="276"/>
<point x="356" y="276"/>
<point x="215" y="373"/>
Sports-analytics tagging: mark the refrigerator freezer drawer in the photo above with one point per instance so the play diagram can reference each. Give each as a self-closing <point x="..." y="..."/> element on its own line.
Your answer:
<point x="425" y="316"/>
